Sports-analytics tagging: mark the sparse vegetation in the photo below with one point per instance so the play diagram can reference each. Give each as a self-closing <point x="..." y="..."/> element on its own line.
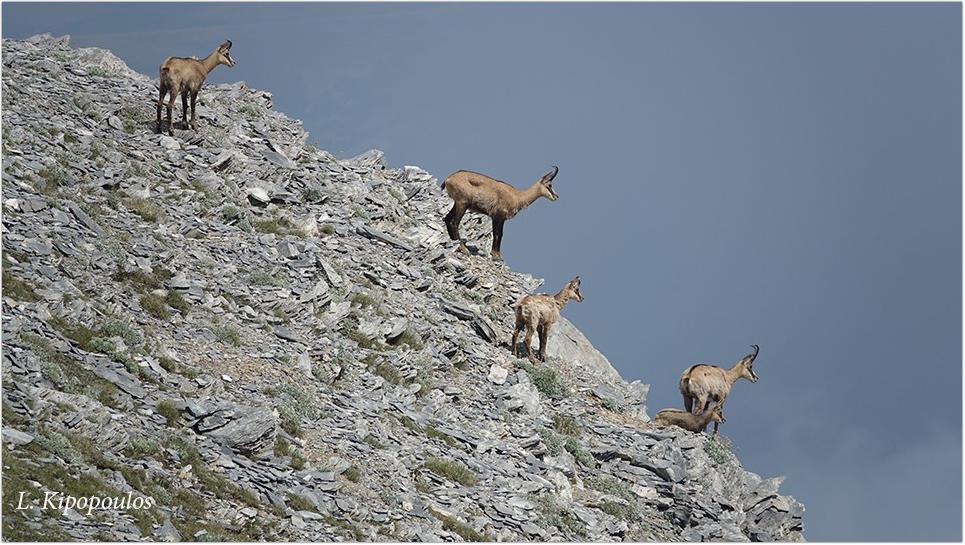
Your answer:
<point x="169" y="411"/>
<point x="353" y="474"/>
<point x="155" y="306"/>
<point x="144" y="208"/>
<point x="567" y="425"/>
<point x="463" y="530"/>
<point x="408" y="338"/>
<point x="545" y="380"/>
<point x="16" y="288"/>
<point x="718" y="450"/>
<point x="227" y="334"/>
<point x="452" y="470"/>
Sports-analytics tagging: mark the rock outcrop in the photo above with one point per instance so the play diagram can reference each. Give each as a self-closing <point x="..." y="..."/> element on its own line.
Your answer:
<point x="275" y="344"/>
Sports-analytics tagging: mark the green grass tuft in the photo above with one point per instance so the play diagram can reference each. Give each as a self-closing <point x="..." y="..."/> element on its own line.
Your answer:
<point x="452" y="470"/>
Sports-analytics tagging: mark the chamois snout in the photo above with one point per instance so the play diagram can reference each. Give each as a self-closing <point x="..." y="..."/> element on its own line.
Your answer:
<point x="547" y="183"/>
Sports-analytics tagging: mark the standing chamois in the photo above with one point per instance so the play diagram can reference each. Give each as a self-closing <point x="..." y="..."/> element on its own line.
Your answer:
<point x="500" y="201"/>
<point x="691" y="422"/>
<point x="183" y="76"/>
<point x="539" y="312"/>
<point x="704" y="383"/>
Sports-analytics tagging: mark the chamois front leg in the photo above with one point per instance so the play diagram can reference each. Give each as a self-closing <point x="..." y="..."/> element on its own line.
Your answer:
<point x="497" y="238"/>
<point x="515" y="346"/>
<point x="194" y="111"/>
<point x="453" y="219"/>
<point x="160" y="103"/>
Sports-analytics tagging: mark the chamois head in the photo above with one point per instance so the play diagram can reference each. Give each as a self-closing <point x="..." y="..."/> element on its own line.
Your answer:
<point x="746" y="364"/>
<point x="224" y="54"/>
<point x="546" y="185"/>
<point x="717" y="414"/>
<point x="572" y="290"/>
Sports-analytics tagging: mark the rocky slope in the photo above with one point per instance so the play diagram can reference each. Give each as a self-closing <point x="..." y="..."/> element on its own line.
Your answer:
<point x="273" y="343"/>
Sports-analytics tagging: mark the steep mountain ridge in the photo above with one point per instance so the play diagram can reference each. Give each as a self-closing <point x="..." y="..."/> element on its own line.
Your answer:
<point x="272" y="343"/>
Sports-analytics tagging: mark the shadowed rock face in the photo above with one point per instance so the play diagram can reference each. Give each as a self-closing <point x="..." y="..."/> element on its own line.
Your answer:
<point x="276" y="344"/>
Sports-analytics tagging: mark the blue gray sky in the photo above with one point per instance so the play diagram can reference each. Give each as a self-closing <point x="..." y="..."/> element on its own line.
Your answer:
<point x="781" y="174"/>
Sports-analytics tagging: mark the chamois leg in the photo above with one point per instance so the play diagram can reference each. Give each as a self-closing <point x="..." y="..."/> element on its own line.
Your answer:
<point x="453" y="219"/>
<point x="528" y="340"/>
<point x="194" y="111"/>
<point x="544" y="333"/>
<point x="497" y="238"/>
<point x="184" y="108"/>
<point x="174" y="95"/>
<point x="688" y="403"/>
<point x="700" y="406"/>
<point x="518" y="327"/>
<point x="160" y="103"/>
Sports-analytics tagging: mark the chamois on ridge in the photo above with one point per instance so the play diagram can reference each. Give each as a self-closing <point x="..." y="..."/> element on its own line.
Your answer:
<point x="185" y="76"/>
<point x="538" y="313"/>
<point x="703" y="383"/>
<point x="688" y="421"/>
<point x="474" y="192"/>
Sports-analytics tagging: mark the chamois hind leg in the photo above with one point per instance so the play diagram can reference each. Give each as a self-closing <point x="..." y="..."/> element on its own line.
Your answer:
<point x="688" y="403"/>
<point x="528" y="341"/>
<point x="497" y="238"/>
<point x="184" y="108"/>
<point x="174" y="95"/>
<point x="544" y="333"/>
<point x="453" y="219"/>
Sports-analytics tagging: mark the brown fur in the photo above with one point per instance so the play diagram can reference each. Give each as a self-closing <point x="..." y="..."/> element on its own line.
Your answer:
<point x="185" y="76"/>
<point x="702" y="383"/>
<point x="474" y="192"/>
<point x="538" y="312"/>
<point x="691" y="422"/>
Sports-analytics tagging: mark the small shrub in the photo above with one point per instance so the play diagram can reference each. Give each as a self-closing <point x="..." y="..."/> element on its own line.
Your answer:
<point x="230" y="212"/>
<point x="364" y="300"/>
<point x="278" y="226"/>
<point x="387" y="371"/>
<point x="717" y="450"/>
<point x="155" y="306"/>
<point x="175" y="300"/>
<point x="408" y="338"/>
<point x="546" y="380"/>
<point x="17" y="289"/>
<point x="567" y="425"/>
<point x="353" y="474"/>
<point x="327" y="229"/>
<point x="463" y="530"/>
<point x="144" y="208"/>
<point x="451" y="470"/>
<point x="262" y="278"/>
<point x="227" y="334"/>
<point x="169" y="411"/>
<point x="620" y="511"/>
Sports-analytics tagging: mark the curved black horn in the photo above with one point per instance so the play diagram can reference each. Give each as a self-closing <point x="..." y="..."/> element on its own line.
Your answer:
<point x="756" y="350"/>
<point x="551" y="174"/>
<point x="229" y="43"/>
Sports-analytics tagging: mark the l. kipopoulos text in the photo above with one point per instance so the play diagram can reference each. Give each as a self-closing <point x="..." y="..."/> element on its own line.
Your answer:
<point x="63" y="503"/>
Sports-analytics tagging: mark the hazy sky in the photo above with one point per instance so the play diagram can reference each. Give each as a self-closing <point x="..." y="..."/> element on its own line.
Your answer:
<point x="781" y="174"/>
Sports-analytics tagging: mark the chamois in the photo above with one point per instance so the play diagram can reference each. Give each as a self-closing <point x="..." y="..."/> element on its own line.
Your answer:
<point x="184" y="76"/>
<point x="497" y="199"/>
<point x="691" y="422"/>
<point x="703" y="383"/>
<point x="539" y="312"/>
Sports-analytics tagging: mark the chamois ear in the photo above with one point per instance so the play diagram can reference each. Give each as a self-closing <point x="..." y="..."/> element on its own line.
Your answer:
<point x="225" y="46"/>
